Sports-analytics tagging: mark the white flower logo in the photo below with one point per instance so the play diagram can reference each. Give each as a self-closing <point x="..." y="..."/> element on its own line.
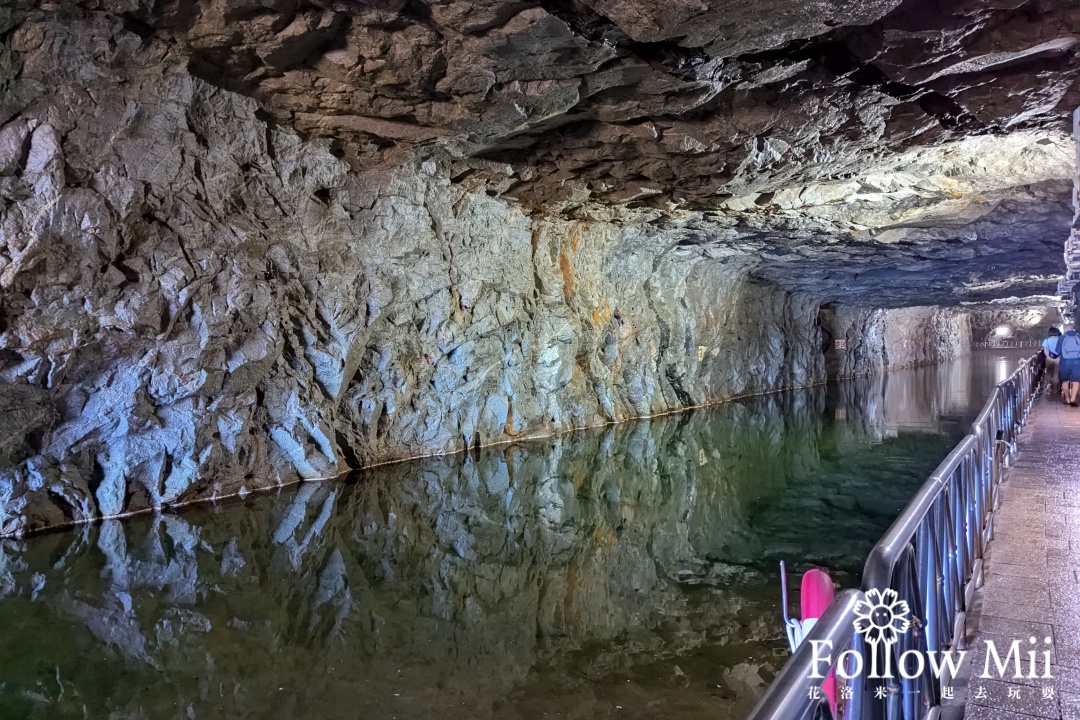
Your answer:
<point x="882" y="616"/>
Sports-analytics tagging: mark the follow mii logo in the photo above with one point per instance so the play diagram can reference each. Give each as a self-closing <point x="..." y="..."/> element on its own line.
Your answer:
<point x="883" y="618"/>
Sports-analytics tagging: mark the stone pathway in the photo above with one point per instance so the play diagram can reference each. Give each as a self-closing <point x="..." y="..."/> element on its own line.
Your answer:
<point x="1031" y="584"/>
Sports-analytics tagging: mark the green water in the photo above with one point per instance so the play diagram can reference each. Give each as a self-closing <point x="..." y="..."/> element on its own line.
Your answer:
<point x="628" y="572"/>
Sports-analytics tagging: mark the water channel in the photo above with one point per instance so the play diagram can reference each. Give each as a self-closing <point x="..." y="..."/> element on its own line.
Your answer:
<point x="626" y="572"/>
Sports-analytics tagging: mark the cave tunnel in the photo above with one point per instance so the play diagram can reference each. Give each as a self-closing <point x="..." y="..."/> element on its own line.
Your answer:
<point x="482" y="359"/>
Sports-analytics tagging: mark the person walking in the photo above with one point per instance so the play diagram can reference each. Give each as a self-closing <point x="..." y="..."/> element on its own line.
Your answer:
<point x="1049" y="351"/>
<point x="1068" y="349"/>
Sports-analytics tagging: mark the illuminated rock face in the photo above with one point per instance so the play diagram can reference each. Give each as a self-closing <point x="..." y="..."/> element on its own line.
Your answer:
<point x="196" y="300"/>
<point x="695" y="101"/>
<point x="202" y="303"/>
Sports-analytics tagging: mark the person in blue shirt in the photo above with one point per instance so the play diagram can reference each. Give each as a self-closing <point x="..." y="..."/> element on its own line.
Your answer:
<point x="1068" y="349"/>
<point x="1049" y="351"/>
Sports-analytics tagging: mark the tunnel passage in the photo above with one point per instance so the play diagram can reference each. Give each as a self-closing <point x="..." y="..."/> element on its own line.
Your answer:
<point x="831" y="345"/>
<point x="334" y="236"/>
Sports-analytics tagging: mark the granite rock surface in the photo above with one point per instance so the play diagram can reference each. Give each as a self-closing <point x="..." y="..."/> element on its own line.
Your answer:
<point x="690" y="101"/>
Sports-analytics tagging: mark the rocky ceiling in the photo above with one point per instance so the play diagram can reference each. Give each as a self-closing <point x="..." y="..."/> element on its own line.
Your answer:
<point x="913" y="151"/>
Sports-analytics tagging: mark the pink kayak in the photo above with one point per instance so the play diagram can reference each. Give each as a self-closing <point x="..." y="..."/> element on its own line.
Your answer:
<point x="816" y="592"/>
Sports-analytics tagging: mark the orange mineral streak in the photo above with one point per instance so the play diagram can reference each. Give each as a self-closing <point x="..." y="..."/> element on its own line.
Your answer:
<point x="604" y="536"/>
<point x="603" y="312"/>
<point x="508" y="427"/>
<point x="567" y="272"/>
<point x="572" y="615"/>
<point x="566" y="266"/>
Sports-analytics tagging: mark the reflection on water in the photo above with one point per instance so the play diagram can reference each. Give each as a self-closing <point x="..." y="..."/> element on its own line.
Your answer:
<point x="626" y="572"/>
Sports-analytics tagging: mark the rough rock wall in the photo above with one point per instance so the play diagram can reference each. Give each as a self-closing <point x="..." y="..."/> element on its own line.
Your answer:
<point x="196" y="303"/>
<point x="880" y="340"/>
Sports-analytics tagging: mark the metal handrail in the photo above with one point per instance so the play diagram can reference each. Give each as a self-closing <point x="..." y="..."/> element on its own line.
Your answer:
<point x="931" y="556"/>
<point x="1002" y="344"/>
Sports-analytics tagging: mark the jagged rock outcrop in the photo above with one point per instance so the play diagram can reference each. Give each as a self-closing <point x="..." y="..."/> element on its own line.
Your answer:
<point x="619" y="99"/>
<point x="196" y="300"/>
<point x="196" y="303"/>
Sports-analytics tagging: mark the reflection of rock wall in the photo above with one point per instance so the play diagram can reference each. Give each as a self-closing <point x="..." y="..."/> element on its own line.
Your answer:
<point x="880" y="340"/>
<point x="447" y="581"/>
<point x="881" y="406"/>
<point x="944" y="397"/>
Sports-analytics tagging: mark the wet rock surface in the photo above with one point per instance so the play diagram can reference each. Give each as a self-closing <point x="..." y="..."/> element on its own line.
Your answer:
<point x="631" y="566"/>
<point x="882" y="340"/>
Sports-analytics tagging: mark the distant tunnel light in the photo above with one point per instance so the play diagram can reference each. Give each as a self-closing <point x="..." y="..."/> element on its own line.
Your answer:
<point x="1002" y="331"/>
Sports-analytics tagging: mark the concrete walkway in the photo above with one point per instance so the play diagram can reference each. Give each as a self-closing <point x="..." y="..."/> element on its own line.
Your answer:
<point x="1031" y="585"/>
